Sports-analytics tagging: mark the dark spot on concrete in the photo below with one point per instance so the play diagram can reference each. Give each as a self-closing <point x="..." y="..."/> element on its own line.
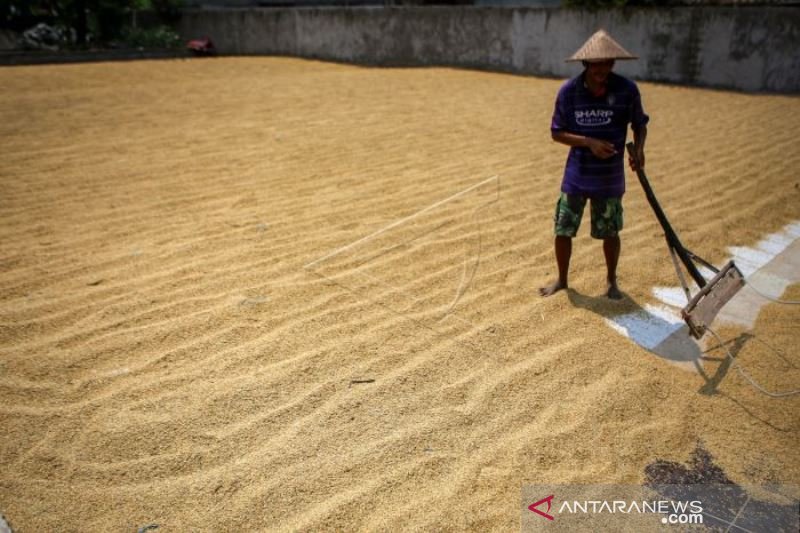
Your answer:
<point x="724" y="503"/>
<point x="701" y="469"/>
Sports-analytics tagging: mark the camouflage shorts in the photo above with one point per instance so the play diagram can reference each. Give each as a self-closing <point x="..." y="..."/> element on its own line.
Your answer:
<point x="606" y="216"/>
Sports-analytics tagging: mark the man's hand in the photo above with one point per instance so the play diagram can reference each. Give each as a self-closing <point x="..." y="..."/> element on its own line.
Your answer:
<point x="601" y="149"/>
<point x="639" y="136"/>
<point x="632" y="161"/>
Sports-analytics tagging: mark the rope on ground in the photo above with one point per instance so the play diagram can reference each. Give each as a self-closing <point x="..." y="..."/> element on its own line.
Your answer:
<point x="771" y="298"/>
<point x="752" y="382"/>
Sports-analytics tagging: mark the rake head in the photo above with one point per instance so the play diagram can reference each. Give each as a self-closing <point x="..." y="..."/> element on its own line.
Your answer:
<point x="701" y="310"/>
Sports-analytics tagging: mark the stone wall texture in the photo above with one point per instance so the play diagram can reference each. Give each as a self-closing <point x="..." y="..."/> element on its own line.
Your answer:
<point x="742" y="48"/>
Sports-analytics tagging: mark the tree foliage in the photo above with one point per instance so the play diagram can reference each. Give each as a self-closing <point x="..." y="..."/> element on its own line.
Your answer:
<point x="104" y="20"/>
<point x="606" y="4"/>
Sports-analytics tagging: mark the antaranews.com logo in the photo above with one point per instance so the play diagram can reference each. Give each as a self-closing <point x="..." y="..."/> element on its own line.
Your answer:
<point x="674" y="512"/>
<point x="660" y="508"/>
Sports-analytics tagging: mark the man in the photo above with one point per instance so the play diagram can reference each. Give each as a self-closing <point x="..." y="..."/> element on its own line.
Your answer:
<point x="591" y="116"/>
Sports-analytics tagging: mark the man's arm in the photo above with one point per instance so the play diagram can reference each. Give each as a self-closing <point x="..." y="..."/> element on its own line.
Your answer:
<point x="599" y="148"/>
<point x="639" y="137"/>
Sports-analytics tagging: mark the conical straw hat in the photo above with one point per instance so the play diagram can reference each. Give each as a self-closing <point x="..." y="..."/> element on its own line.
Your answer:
<point x="599" y="47"/>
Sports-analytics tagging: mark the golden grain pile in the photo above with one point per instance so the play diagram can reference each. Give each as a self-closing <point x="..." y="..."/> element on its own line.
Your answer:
<point x="165" y="357"/>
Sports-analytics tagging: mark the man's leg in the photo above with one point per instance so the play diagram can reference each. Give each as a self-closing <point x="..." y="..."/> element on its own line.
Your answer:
<point x="563" y="247"/>
<point x="569" y="210"/>
<point x="606" y="225"/>
<point x="611" y="249"/>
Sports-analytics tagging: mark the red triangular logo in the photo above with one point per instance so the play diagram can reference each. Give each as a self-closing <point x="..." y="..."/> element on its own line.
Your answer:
<point x="533" y="507"/>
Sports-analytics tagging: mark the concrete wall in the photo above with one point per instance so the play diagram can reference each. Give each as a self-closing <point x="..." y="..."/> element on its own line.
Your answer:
<point x="745" y="48"/>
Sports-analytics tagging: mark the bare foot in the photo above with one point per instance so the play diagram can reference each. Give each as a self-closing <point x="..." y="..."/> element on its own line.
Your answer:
<point x="552" y="288"/>
<point x="613" y="291"/>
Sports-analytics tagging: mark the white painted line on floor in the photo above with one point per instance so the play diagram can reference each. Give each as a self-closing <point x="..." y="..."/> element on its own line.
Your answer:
<point x="768" y="265"/>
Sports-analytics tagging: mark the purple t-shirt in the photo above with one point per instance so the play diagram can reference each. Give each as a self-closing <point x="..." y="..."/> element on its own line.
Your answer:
<point x="605" y="117"/>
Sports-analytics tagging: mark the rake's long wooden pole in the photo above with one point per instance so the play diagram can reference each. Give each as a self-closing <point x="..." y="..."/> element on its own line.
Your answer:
<point x="669" y="233"/>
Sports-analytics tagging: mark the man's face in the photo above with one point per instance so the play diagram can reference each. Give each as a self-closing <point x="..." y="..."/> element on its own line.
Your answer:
<point x="598" y="71"/>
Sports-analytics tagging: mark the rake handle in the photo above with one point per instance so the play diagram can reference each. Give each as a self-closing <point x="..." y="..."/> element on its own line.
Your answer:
<point x="669" y="233"/>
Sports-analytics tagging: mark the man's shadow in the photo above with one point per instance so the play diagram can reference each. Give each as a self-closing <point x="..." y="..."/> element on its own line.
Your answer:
<point x="662" y="333"/>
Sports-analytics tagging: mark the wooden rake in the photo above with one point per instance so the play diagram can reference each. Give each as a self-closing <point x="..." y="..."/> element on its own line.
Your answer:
<point x="704" y="306"/>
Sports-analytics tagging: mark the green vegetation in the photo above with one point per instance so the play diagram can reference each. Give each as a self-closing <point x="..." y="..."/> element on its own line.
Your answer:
<point x="604" y="4"/>
<point x="97" y="21"/>
<point x="158" y="37"/>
